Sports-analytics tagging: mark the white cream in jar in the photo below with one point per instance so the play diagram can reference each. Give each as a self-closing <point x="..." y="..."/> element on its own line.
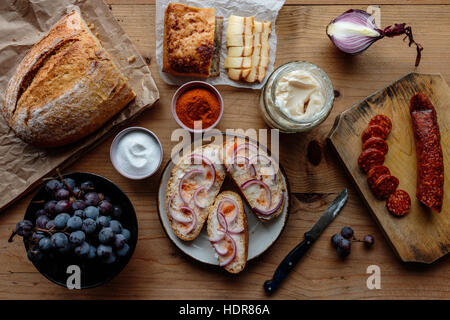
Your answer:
<point x="299" y="95"/>
<point x="137" y="154"/>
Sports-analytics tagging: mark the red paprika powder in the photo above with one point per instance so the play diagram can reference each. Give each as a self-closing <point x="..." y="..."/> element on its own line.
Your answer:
<point x="198" y="104"/>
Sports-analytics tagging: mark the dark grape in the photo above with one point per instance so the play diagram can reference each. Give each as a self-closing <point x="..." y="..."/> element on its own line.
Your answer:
<point x="105" y="207"/>
<point x="91" y="212"/>
<point x="74" y="223"/>
<point x="116" y="212"/>
<point x="119" y="241"/>
<point x="62" y="194"/>
<point x="24" y="228"/>
<point x="59" y="240"/>
<point x="50" y="207"/>
<point x="50" y="225"/>
<point x="40" y="212"/>
<point x="124" y="251"/>
<point x="52" y="186"/>
<point x="69" y="182"/>
<point x="87" y="186"/>
<point x="336" y="239"/>
<point x="344" y="248"/>
<point x="41" y="222"/>
<point x="37" y="236"/>
<point x="61" y="220"/>
<point x="91" y="199"/>
<point x="126" y="233"/>
<point x="45" y="244"/>
<point x="92" y="252"/>
<point x="79" y="193"/>
<point x="106" y="235"/>
<point x="110" y="259"/>
<point x="347" y="232"/>
<point x="369" y="240"/>
<point x="35" y="255"/>
<point x="77" y="237"/>
<point x="104" y="251"/>
<point x="78" y="205"/>
<point x="103" y="221"/>
<point x="63" y="206"/>
<point x="78" y="213"/>
<point x="83" y="249"/>
<point x="89" y="226"/>
<point x="115" y="226"/>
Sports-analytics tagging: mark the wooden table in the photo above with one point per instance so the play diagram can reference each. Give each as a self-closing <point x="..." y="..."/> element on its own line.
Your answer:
<point x="158" y="270"/>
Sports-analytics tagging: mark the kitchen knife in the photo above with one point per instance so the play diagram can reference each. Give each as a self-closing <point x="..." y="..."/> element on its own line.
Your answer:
<point x="312" y="235"/>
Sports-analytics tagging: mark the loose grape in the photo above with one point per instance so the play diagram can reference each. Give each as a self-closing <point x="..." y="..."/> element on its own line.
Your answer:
<point x="106" y="235"/>
<point x="63" y="206"/>
<point x="347" y="232"/>
<point x="77" y="237"/>
<point x="78" y="205"/>
<point x="83" y="249"/>
<point x="127" y="234"/>
<point x="41" y="222"/>
<point x="62" y="194"/>
<point x="91" y="199"/>
<point x="369" y="240"/>
<point x="104" y="251"/>
<point x="24" y="228"/>
<point x="91" y="212"/>
<point x="119" y="241"/>
<point x="115" y="226"/>
<point x="103" y="221"/>
<point x="74" y="223"/>
<point x="344" y="248"/>
<point x="45" y="244"/>
<point x="124" y="251"/>
<point x="61" y="220"/>
<point x="89" y="226"/>
<point x="336" y="239"/>
<point x="59" y="240"/>
<point x="105" y="207"/>
<point x="50" y="207"/>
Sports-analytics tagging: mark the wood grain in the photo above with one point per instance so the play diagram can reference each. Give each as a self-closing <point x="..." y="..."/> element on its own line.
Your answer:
<point x="159" y="271"/>
<point x="422" y="235"/>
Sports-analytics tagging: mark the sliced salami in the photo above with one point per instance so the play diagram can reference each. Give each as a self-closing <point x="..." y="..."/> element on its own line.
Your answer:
<point x="385" y="186"/>
<point x="369" y="158"/>
<point x="382" y="121"/>
<point x="374" y="131"/>
<point x="399" y="203"/>
<point x="376" y="143"/>
<point x="375" y="172"/>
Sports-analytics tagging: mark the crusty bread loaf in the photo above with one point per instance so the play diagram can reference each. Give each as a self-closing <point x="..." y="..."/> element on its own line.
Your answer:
<point x="65" y="88"/>
<point x="213" y="153"/>
<point x="241" y="239"/>
<point x="255" y="195"/>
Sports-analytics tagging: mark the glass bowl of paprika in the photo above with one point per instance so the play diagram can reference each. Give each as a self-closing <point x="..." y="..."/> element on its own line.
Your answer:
<point x="197" y="106"/>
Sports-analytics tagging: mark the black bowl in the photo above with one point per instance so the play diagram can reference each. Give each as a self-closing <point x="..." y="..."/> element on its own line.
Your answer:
<point x="93" y="273"/>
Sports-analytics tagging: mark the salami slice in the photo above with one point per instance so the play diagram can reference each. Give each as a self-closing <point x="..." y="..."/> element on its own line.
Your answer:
<point x="382" y="121"/>
<point x="430" y="162"/>
<point x="374" y="131"/>
<point x="369" y="158"/>
<point x="376" y="143"/>
<point x="385" y="186"/>
<point x="375" y="172"/>
<point x="399" y="203"/>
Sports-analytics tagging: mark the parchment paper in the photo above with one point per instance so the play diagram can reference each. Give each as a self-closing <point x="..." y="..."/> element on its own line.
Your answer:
<point x="23" y="23"/>
<point x="263" y="10"/>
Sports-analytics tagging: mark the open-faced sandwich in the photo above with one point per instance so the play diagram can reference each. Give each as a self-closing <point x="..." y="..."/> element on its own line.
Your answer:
<point x="228" y="231"/>
<point x="192" y="187"/>
<point x="257" y="175"/>
<point x="192" y="41"/>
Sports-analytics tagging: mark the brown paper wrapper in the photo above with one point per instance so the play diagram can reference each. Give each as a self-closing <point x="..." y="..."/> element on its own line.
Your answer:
<point x="25" y="22"/>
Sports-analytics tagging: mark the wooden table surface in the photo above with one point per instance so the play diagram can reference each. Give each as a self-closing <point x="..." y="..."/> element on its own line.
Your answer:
<point x="158" y="270"/>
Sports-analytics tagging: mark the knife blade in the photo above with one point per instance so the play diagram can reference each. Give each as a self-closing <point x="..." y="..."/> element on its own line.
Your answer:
<point x="291" y="260"/>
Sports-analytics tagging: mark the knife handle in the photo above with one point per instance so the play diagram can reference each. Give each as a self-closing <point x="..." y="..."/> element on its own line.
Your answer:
<point x="288" y="264"/>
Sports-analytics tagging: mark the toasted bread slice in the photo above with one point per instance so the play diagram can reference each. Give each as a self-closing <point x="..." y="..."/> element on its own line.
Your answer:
<point x="238" y="62"/>
<point x="181" y="220"/>
<point x="240" y="51"/>
<point x="264" y="205"/>
<point x="238" y="74"/>
<point x="239" y="223"/>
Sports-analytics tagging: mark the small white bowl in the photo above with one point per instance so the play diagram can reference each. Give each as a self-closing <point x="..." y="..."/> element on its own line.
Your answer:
<point x="113" y="151"/>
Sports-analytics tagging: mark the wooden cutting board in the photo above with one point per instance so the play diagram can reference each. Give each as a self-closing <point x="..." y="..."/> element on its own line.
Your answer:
<point x="422" y="235"/>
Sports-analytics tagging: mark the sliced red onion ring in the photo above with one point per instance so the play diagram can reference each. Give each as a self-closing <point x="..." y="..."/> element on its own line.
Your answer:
<point x="261" y="183"/>
<point x="235" y="211"/>
<point x="196" y="201"/>
<point x="236" y="231"/>
<point x="243" y="146"/>
<point x="271" y="211"/>
<point x="220" y="250"/>
<point x="217" y="238"/>
<point x="180" y="185"/>
<point x="194" y="219"/>
<point x="222" y="221"/>
<point x="255" y="159"/>
<point x="208" y="163"/>
<point x="232" y="256"/>
<point x="252" y="170"/>
<point x="177" y="218"/>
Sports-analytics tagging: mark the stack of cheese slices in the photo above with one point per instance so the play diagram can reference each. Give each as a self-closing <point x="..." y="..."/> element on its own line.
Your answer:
<point x="248" y="48"/>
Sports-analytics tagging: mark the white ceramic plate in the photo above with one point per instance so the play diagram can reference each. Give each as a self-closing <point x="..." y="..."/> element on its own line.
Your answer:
<point x="261" y="235"/>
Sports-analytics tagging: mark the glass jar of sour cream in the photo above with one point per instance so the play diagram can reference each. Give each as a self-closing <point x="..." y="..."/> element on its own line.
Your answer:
<point x="297" y="97"/>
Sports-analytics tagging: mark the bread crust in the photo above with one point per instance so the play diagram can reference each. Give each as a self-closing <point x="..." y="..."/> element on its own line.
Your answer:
<point x="65" y="88"/>
<point x="240" y="261"/>
<point x="188" y="40"/>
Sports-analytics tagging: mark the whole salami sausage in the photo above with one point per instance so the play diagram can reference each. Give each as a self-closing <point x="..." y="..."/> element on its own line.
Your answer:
<point x="430" y="163"/>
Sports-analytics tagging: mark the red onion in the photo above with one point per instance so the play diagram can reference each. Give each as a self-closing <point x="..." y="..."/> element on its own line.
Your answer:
<point x="194" y="219"/>
<point x="256" y="181"/>
<point x="175" y="217"/>
<point x="355" y="30"/>
<point x="197" y="203"/>
<point x="180" y="185"/>
<point x="271" y="211"/>
<point x="232" y="256"/>
<point x="218" y="238"/>
<point x="220" y="251"/>
<point x="235" y="211"/>
<point x="208" y="163"/>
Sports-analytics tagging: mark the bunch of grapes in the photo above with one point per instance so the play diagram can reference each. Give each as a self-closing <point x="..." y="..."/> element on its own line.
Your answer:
<point x="343" y="241"/>
<point x="78" y="221"/>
